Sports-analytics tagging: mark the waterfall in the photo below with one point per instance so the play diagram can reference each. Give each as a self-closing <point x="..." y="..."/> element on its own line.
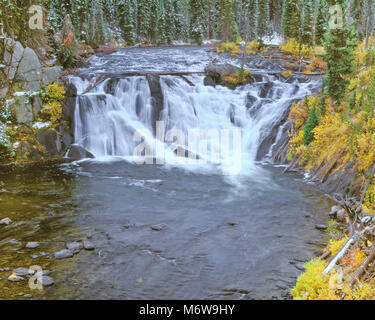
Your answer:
<point x="119" y="116"/>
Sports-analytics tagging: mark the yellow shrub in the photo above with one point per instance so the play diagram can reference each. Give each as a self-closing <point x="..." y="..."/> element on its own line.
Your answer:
<point x="231" y="47"/>
<point x="252" y="47"/>
<point x="310" y="285"/>
<point x="336" y="245"/>
<point x="53" y="92"/>
<point x="363" y="291"/>
<point x="296" y="49"/>
<point x="287" y="74"/>
<point x="53" y="111"/>
<point x="52" y="97"/>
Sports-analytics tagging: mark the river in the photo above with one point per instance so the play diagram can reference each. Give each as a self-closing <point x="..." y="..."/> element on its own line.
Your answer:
<point x="174" y="230"/>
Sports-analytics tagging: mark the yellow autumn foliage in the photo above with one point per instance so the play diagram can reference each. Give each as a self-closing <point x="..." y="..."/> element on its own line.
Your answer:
<point x="296" y="49"/>
<point x="52" y="97"/>
<point x="312" y="286"/>
<point x="336" y="245"/>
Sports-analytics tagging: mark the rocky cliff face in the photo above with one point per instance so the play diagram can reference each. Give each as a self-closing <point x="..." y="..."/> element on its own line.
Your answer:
<point x="22" y="76"/>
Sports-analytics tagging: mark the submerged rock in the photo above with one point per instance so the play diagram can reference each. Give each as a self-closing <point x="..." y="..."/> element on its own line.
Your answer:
<point x="32" y="245"/>
<point x="14" y="278"/>
<point x="23" y="272"/>
<point x="340" y="215"/>
<point x="77" y="152"/>
<point x="159" y="227"/>
<point x="321" y="226"/>
<point x="88" y="245"/>
<point x="5" y="221"/>
<point x="63" y="254"/>
<point x="46" y="281"/>
<point x="74" y="247"/>
<point x="334" y="210"/>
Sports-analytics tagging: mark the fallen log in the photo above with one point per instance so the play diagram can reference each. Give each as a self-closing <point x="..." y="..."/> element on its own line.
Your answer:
<point x="367" y="184"/>
<point x="353" y="239"/>
<point x="94" y="83"/>
<point x="363" y="267"/>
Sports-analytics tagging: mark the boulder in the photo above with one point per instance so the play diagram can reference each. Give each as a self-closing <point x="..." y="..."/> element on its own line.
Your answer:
<point x="32" y="245"/>
<point x="21" y="272"/>
<point x="70" y="90"/>
<point x="334" y="210"/>
<point x="88" y="245"/>
<point x="51" y="74"/>
<point x="46" y="281"/>
<point x="321" y="226"/>
<point x="77" y="152"/>
<point x="215" y="70"/>
<point x="13" y="52"/>
<point x="50" y="140"/>
<point x="208" y="81"/>
<point x="37" y="106"/>
<point x="75" y="246"/>
<point x="63" y="254"/>
<point x="341" y="215"/>
<point x="3" y="92"/>
<point x="30" y="70"/>
<point x="22" y="110"/>
<point x="5" y="221"/>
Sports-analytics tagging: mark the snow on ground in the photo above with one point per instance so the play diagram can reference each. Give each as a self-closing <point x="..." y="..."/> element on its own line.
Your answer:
<point x="210" y="41"/>
<point x="275" y="39"/>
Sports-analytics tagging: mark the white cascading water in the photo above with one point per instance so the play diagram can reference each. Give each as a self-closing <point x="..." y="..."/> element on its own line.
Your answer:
<point x="106" y="120"/>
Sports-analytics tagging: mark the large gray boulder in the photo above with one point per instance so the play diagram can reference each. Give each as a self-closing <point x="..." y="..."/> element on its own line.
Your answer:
<point x="77" y="152"/>
<point x="50" y="140"/>
<point x="51" y="74"/>
<point x="37" y="106"/>
<point x="13" y="52"/>
<point x="220" y="69"/>
<point x="22" y="110"/>
<point x="30" y="70"/>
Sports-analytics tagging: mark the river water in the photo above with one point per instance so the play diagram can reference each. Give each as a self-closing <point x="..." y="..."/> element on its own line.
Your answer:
<point x="165" y="231"/>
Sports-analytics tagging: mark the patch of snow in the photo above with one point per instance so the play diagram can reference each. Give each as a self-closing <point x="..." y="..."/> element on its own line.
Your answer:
<point x="41" y="125"/>
<point x="180" y="43"/>
<point x="210" y="41"/>
<point x="275" y="39"/>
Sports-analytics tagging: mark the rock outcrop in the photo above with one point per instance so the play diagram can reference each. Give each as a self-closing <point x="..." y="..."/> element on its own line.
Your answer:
<point x="77" y="152"/>
<point x="23" y="67"/>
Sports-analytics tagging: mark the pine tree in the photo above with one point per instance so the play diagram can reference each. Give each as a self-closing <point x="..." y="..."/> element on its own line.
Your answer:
<point x="292" y="18"/>
<point x="321" y="22"/>
<point x="339" y="46"/>
<point x="196" y="20"/>
<point x="127" y="21"/>
<point x="170" y="18"/>
<point x="227" y="29"/>
<point x="276" y="15"/>
<point x="178" y="23"/>
<point x="311" y="124"/>
<point x="162" y="26"/>
<point x="308" y="21"/>
<point x="154" y="20"/>
<point x="263" y="20"/>
<point x="143" y="19"/>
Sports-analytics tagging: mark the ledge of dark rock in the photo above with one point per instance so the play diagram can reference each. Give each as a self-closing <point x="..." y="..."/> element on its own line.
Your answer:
<point x="77" y="152"/>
